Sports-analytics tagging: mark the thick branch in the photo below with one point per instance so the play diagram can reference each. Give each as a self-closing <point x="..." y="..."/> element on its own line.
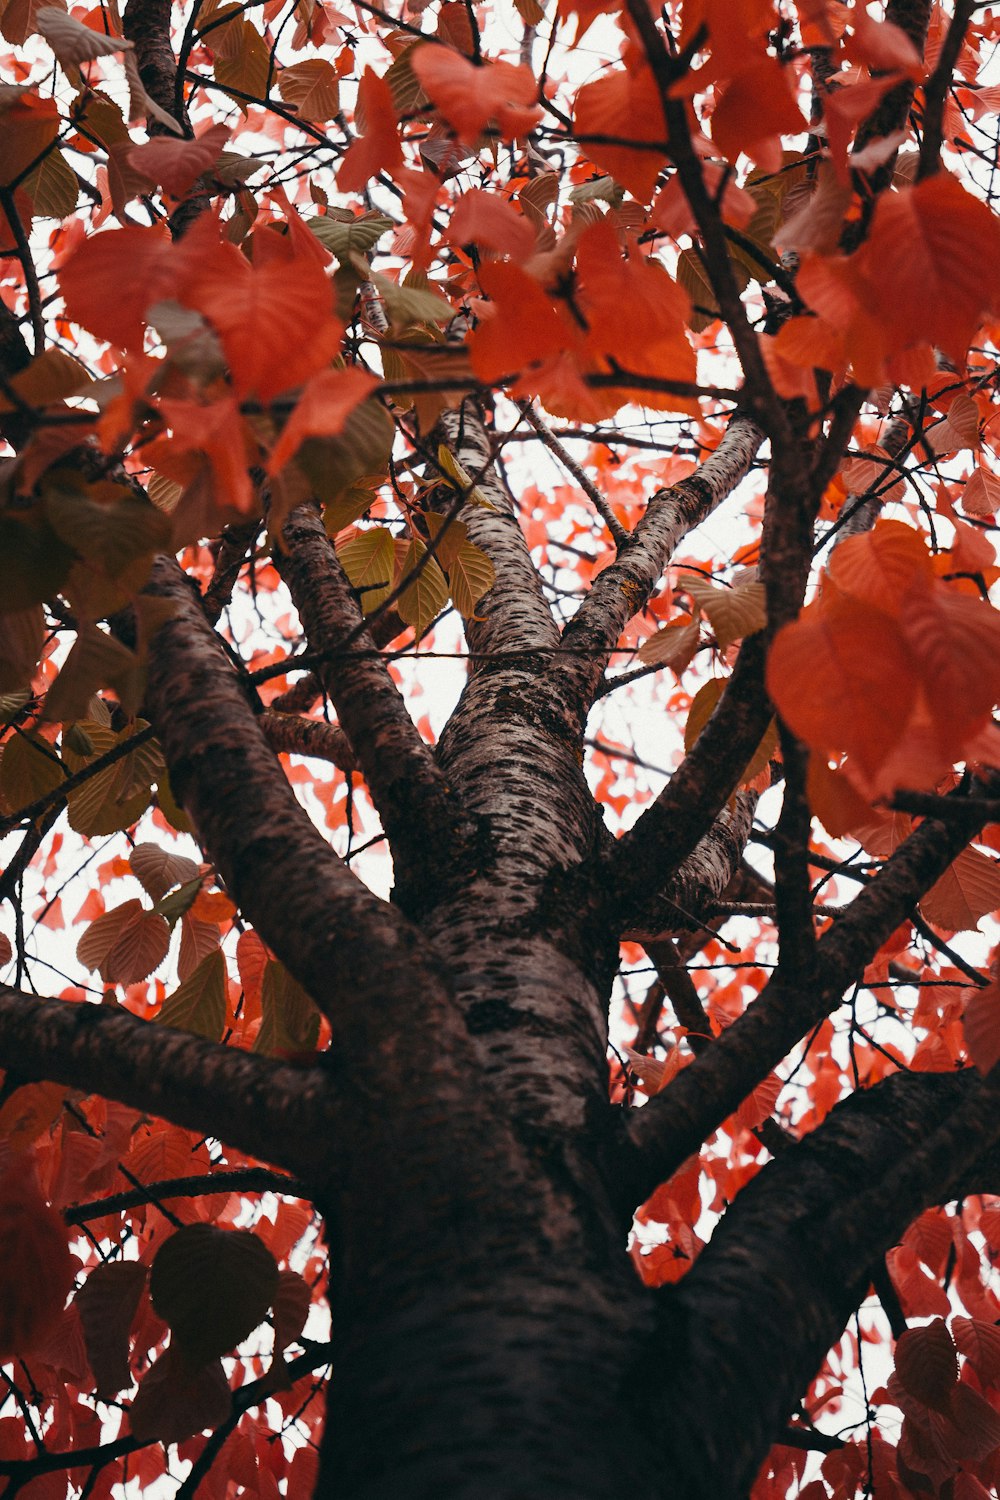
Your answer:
<point x="791" y="1260"/>
<point x="418" y="813"/>
<point x="269" y="1109"/>
<point x="513" y="614"/>
<point x="646" y="857"/>
<point x="345" y="945"/>
<point x="674" y="1124"/>
<point x="704" y="876"/>
<point x="621" y="591"/>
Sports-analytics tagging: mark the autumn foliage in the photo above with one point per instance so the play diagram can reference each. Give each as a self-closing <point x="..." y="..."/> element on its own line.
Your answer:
<point x="540" y="461"/>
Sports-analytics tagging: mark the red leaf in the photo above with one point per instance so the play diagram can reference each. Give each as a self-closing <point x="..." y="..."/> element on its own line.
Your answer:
<point x="126" y="944"/>
<point x="109" y="281"/>
<point x="378" y="149"/>
<point x="526" y="327"/>
<point x="625" y="105"/>
<point x="108" y="1302"/>
<point x="981" y="1024"/>
<point x="469" y="97"/>
<point x="37" y="1265"/>
<point x="841" y="678"/>
<point x="484" y="219"/>
<point x="927" y="1364"/>
<point x="275" y="320"/>
<point x="177" y="164"/>
<point x="755" y="110"/>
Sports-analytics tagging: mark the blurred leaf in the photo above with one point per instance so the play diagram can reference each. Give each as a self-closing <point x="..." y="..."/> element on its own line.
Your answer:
<point x="213" y="1286"/>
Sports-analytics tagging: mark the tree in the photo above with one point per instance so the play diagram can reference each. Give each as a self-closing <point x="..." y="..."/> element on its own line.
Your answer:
<point x="267" y="380"/>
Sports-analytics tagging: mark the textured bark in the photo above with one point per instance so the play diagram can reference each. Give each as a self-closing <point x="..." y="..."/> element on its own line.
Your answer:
<point x="622" y="589"/>
<point x="674" y="1124"/>
<point x="420" y="817"/>
<point x="790" y="1261"/>
<point x="268" y="1109"/>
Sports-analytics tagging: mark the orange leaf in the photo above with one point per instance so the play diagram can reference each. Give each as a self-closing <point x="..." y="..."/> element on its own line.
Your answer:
<point x="882" y="565"/>
<point x="484" y="219"/>
<point x="275" y="321"/>
<point x="626" y="105"/>
<point x="109" y="281"/>
<point x="177" y="164"/>
<point x="842" y="679"/>
<point x="954" y="641"/>
<point x="216" y="431"/>
<point x="469" y="97"/>
<point x="323" y="408"/>
<point x="378" y="149"/>
<point x="755" y="110"/>
<point x="652" y="340"/>
<point x="943" y="246"/>
<point x="527" y="327"/>
<point x="968" y="889"/>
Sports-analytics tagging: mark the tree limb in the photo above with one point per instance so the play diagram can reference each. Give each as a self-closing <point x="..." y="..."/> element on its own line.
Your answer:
<point x="622" y="590"/>
<point x="791" y="1259"/>
<point x="269" y="1109"/>
<point x="312" y="911"/>
<point x="417" y="810"/>
<point x="673" y="1125"/>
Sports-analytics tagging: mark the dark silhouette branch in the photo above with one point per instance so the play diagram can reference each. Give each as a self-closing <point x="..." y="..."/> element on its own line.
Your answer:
<point x="272" y="1110"/>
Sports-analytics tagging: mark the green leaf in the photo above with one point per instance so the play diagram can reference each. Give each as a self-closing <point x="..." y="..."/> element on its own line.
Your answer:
<point x="702" y="708"/>
<point x="407" y="305"/>
<point x="290" y="1020"/>
<point x="34" y="561"/>
<point x="732" y="612"/>
<point x="369" y="560"/>
<point x="469" y="569"/>
<point x="29" y="769"/>
<point x="344" y="235"/>
<point x="213" y="1286"/>
<point x="97" y="660"/>
<point x="52" y="187"/>
<point x="51" y="377"/>
<point x="199" y="1005"/>
<point x="176" y="903"/>
<point x="105" y="524"/>
<point x="407" y="95"/>
<point x="333" y="465"/>
<point x="424" y="599"/>
<point x="113" y="798"/>
<point x="242" y="59"/>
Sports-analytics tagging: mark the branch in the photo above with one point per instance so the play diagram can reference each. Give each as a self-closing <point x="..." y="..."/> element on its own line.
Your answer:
<point x="348" y="948"/>
<point x="513" y="613"/>
<point x="702" y="879"/>
<point x="420" y="816"/>
<point x="289" y="734"/>
<point x="268" y="1109"/>
<point x="238" y="1180"/>
<point x="21" y="1470"/>
<point x="937" y="87"/>
<point x="622" y="590"/>
<point x="791" y="1260"/>
<point x="674" y="1124"/>
<point x="618" y="533"/>
<point x="671" y="827"/>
